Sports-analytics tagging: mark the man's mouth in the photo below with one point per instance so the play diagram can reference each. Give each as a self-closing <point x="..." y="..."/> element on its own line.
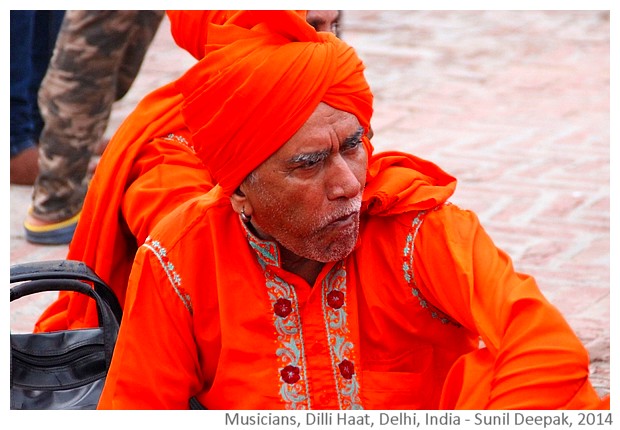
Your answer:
<point x="344" y="220"/>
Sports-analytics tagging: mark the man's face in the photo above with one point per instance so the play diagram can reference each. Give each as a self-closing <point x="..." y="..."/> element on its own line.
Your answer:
<point x="324" y="20"/>
<point x="307" y="196"/>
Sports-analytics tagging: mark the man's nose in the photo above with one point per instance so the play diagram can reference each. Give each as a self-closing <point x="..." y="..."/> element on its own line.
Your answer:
<point x="342" y="181"/>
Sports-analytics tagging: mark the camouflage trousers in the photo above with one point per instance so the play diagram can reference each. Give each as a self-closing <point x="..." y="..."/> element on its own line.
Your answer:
<point x="97" y="57"/>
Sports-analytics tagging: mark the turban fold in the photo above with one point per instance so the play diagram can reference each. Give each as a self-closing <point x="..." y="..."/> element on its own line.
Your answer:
<point x="189" y="28"/>
<point x="262" y="75"/>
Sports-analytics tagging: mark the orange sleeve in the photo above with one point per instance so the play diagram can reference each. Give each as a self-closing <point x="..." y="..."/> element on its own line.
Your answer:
<point x="155" y="363"/>
<point x="532" y="359"/>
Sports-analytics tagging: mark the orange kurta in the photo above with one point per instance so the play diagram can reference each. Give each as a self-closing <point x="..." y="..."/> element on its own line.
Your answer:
<point x="210" y="313"/>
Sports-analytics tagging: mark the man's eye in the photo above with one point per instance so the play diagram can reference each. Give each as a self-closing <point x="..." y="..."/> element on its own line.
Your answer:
<point x="309" y="164"/>
<point x="351" y="144"/>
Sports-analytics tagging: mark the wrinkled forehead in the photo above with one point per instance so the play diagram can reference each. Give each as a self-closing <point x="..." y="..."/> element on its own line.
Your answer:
<point x="326" y="126"/>
<point x="325" y="115"/>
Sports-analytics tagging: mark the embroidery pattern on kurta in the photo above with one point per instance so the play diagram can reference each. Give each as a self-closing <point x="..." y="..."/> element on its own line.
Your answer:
<point x="268" y="251"/>
<point x="175" y="280"/>
<point x="290" y="349"/>
<point x="294" y="388"/>
<point x="409" y="273"/>
<point x="286" y="320"/>
<point x="342" y="350"/>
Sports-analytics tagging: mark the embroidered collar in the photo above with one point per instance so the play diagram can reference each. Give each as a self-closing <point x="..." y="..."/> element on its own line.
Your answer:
<point x="267" y="251"/>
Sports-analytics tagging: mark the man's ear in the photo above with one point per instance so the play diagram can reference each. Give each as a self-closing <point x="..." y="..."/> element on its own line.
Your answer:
<point x="239" y="201"/>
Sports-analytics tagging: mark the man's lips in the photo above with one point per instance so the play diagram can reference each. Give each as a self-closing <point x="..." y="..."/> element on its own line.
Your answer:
<point x="344" y="220"/>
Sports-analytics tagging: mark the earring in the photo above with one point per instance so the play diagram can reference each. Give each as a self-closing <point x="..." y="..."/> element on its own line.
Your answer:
<point x="246" y="219"/>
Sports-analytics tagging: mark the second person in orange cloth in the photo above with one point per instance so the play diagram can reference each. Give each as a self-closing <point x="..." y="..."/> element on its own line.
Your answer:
<point x="308" y="272"/>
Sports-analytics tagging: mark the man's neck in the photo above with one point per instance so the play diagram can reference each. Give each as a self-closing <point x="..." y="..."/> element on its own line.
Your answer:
<point x="303" y="267"/>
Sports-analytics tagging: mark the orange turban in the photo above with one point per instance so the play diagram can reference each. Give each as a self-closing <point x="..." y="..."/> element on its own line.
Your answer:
<point x="189" y="28"/>
<point x="262" y="75"/>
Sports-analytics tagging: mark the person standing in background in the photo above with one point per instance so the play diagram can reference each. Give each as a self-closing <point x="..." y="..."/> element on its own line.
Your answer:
<point x="98" y="56"/>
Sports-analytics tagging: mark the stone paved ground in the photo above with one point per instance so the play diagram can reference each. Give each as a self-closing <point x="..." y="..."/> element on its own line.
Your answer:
<point x="515" y="104"/>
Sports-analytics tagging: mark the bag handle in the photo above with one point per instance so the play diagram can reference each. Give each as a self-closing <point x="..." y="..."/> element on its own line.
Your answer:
<point x="39" y="277"/>
<point x="107" y="319"/>
<point x="67" y="269"/>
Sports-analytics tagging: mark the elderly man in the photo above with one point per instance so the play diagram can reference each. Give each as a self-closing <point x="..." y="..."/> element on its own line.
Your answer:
<point x="314" y="274"/>
<point x="149" y="168"/>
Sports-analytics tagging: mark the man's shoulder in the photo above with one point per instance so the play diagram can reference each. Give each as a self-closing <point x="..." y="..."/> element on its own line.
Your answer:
<point x="406" y="218"/>
<point x="393" y="226"/>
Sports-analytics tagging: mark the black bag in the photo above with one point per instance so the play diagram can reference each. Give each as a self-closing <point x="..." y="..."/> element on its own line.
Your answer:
<point x="63" y="369"/>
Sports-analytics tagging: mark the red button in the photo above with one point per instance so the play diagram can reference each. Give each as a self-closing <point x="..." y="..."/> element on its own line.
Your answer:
<point x="347" y="369"/>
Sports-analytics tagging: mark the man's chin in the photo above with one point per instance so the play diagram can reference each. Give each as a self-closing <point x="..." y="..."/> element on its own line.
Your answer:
<point x="329" y="244"/>
<point x="341" y="247"/>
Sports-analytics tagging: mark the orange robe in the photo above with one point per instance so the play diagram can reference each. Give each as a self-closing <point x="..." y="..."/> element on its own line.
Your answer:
<point x="211" y="314"/>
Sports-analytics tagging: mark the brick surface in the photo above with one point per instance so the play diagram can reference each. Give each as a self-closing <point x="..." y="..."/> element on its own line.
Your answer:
<point x="515" y="104"/>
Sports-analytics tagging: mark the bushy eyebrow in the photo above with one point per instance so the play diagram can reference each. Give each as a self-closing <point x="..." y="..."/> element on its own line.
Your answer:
<point x="355" y="137"/>
<point x="315" y="157"/>
<point x="309" y="157"/>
